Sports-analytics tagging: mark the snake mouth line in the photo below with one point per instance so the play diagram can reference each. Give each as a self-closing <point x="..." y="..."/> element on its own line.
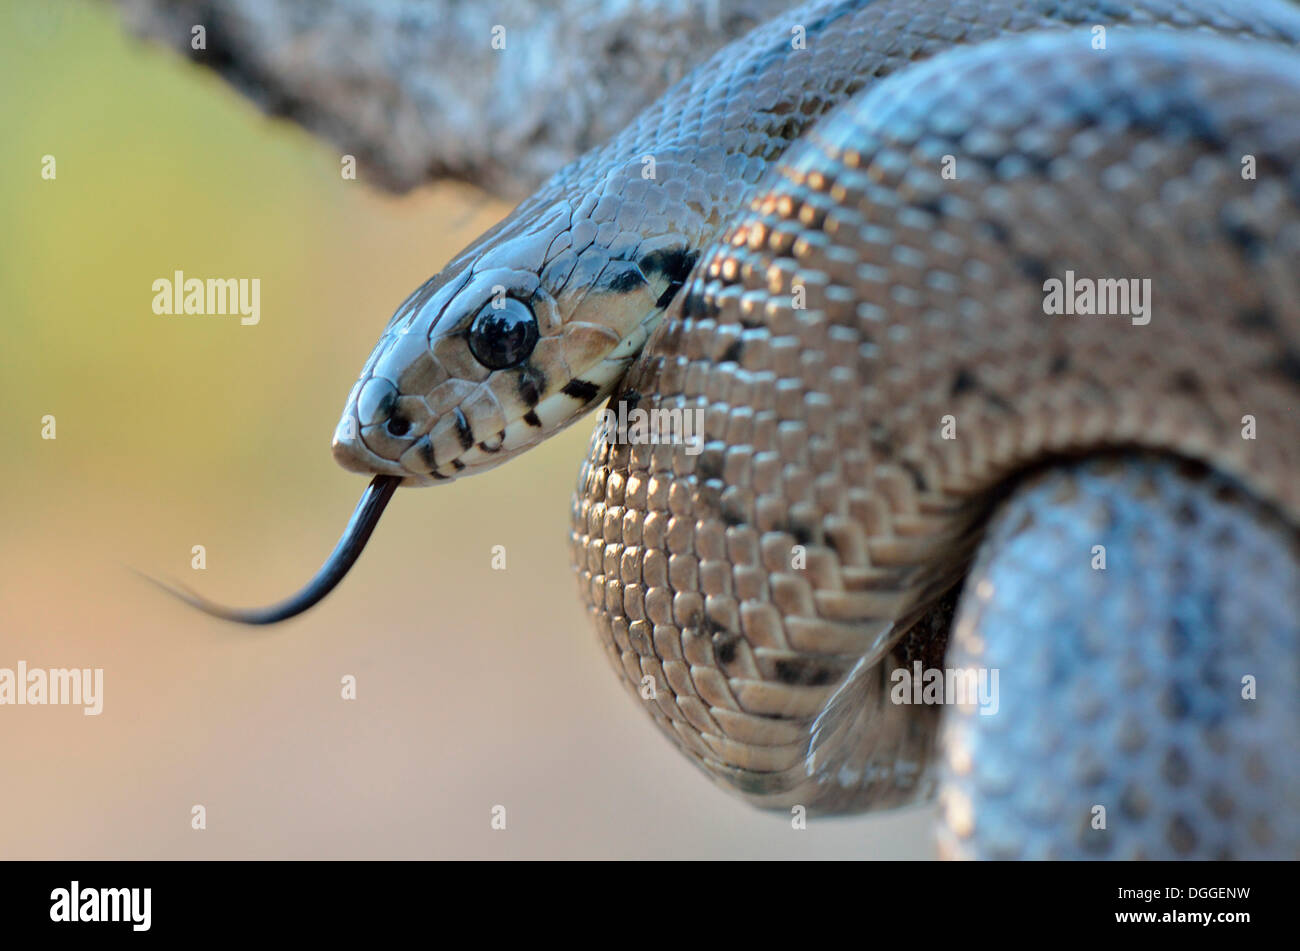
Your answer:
<point x="340" y="561"/>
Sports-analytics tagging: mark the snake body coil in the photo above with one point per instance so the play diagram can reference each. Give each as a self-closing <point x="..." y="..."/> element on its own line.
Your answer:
<point x="924" y="303"/>
<point x="841" y="238"/>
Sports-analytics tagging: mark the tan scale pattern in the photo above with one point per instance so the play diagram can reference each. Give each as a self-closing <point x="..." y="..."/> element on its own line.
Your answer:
<point x="424" y="409"/>
<point x="924" y="300"/>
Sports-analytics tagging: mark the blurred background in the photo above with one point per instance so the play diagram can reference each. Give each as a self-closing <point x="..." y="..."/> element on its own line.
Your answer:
<point x="475" y="687"/>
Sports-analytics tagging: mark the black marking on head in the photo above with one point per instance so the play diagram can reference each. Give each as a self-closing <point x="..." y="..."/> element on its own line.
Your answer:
<point x="532" y="382"/>
<point x="802" y="533"/>
<point x="463" y="431"/>
<point x="532" y="419"/>
<point x="426" y="454"/>
<point x="584" y="391"/>
<point x="803" y="673"/>
<point x="457" y="465"/>
<point x="672" y="263"/>
<point x="1060" y="363"/>
<point x="628" y="279"/>
<point x="733" y="352"/>
<point x="438" y="475"/>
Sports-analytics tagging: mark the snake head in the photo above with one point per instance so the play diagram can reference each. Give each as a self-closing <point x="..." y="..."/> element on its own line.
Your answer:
<point x="519" y="336"/>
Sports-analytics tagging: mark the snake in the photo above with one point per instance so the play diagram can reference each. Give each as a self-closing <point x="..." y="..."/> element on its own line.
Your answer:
<point x="988" y="314"/>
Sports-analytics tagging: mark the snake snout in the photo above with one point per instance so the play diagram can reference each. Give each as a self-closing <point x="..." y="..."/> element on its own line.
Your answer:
<point x="373" y="432"/>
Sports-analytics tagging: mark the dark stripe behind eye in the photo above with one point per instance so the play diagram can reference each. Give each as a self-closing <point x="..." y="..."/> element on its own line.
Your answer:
<point x="532" y="382"/>
<point x="627" y="280"/>
<point x="532" y="419"/>
<point x="584" y="391"/>
<point x="673" y="263"/>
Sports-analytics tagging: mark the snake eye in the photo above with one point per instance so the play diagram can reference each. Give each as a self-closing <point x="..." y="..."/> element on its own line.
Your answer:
<point x="503" y="336"/>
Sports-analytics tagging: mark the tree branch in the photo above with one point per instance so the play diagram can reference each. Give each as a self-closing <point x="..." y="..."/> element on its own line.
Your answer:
<point x="418" y="89"/>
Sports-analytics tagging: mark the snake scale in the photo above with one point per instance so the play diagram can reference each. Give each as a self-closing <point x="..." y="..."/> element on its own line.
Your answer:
<point x="836" y="241"/>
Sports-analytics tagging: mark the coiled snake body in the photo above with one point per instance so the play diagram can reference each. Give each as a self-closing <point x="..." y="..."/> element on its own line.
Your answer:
<point x="840" y="237"/>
